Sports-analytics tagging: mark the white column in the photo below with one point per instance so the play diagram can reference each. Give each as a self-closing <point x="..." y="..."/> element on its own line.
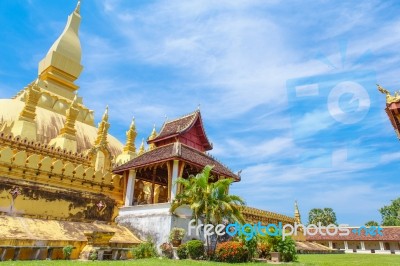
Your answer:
<point x="362" y="245"/>
<point x="381" y="245"/>
<point x="175" y="170"/>
<point x="130" y="188"/>
<point x="330" y="245"/>
<point x="346" y="246"/>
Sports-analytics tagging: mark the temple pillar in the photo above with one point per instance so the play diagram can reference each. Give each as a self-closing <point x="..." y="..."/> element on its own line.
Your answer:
<point x="330" y="245"/>
<point x="362" y="245"/>
<point x="382" y="247"/>
<point x="49" y="253"/>
<point x="130" y="188"/>
<point x="17" y="251"/>
<point x="3" y="254"/>
<point x="153" y="184"/>
<point x="346" y="245"/>
<point x="115" y="254"/>
<point x="35" y="253"/>
<point x="174" y="176"/>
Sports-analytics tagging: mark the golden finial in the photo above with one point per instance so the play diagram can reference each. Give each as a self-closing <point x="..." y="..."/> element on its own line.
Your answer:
<point x="78" y="7"/>
<point x="389" y="98"/>
<point x="75" y="100"/>
<point x="141" y="149"/>
<point x="130" y="138"/>
<point x="105" y="115"/>
<point x="153" y="135"/>
<point x="133" y="124"/>
<point x="382" y="90"/>
<point x="103" y="129"/>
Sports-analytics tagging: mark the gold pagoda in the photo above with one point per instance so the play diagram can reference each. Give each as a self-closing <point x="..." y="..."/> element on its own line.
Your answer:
<point x="56" y="183"/>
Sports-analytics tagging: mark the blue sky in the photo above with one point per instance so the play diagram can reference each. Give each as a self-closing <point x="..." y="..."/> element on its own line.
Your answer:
<point x="246" y="63"/>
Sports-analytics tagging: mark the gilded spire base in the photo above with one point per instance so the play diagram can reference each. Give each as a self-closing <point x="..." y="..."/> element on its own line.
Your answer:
<point x="66" y="140"/>
<point x="25" y="126"/>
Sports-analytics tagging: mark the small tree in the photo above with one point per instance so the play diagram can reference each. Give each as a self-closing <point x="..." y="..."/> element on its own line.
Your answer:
<point x="209" y="200"/>
<point x="93" y="255"/>
<point x="144" y="250"/>
<point x="371" y="223"/>
<point x="286" y="247"/>
<point x="250" y="244"/>
<point x="67" y="251"/>
<point x="391" y="213"/>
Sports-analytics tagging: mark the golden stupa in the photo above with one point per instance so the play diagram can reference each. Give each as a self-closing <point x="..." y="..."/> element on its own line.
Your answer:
<point x="56" y="181"/>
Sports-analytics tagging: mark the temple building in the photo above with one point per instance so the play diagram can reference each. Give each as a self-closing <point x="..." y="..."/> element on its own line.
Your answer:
<point x="358" y="241"/>
<point x="66" y="181"/>
<point x="178" y="150"/>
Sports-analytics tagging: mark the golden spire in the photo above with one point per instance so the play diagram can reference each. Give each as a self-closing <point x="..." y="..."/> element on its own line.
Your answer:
<point x="62" y="64"/>
<point x="32" y="97"/>
<point x="297" y="213"/>
<point x="25" y="126"/>
<point x="153" y="135"/>
<point x="141" y="149"/>
<point x="129" y="151"/>
<point x="71" y="115"/>
<point x="102" y="130"/>
<point x="67" y="137"/>
<point x="130" y="138"/>
<point x="78" y="7"/>
<point x="105" y="115"/>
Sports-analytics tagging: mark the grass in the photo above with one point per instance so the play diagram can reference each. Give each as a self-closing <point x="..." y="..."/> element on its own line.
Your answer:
<point x="304" y="260"/>
<point x="349" y="259"/>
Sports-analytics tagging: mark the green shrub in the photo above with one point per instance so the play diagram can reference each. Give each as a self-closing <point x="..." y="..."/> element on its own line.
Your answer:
<point x="286" y="247"/>
<point x="182" y="252"/>
<point x="251" y="244"/>
<point x="195" y="249"/>
<point x="263" y="250"/>
<point x="232" y="252"/>
<point x="67" y="251"/>
<point x="144" y="250"/>
<point x="93" y="255"/>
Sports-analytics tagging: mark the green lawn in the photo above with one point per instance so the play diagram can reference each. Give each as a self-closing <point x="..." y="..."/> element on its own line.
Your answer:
<point x="306" y="260"/>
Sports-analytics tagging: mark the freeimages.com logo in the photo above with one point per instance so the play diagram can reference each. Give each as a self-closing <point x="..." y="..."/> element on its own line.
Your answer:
<point x="338" y="109"/>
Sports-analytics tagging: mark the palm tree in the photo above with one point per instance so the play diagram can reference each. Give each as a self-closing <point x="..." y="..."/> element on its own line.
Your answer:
<point x="324" y="216"/>
<point x="208" y="200"/>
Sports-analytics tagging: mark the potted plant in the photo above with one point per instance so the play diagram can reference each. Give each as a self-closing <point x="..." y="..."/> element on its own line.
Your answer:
<point x="274" y="242"/>
<point x="166" y="250"/>
<point x="176" y="235"/>
<point x="275" y="256"/>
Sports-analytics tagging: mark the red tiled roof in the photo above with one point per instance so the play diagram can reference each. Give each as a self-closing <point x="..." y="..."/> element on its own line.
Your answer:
<point x="176" y="151"/>
<point x="392" y="110"/>
<point x="179" y="126"/>
<point x="391" y="233"/>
